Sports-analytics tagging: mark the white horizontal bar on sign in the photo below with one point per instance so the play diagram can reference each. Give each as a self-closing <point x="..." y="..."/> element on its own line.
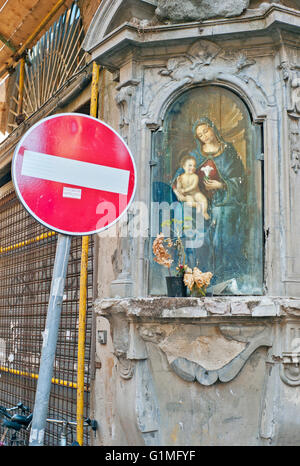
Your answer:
<point x="70" y="171"/>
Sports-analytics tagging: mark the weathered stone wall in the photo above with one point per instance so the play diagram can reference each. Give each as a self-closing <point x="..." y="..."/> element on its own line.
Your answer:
<point x="190" y="10"/>
<point x="214" y="371"/>
<point x="199" y="10"/>
<point x="198" y="371"/>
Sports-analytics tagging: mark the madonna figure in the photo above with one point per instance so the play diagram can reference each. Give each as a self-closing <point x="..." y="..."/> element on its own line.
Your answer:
<point x="221" y="178"/>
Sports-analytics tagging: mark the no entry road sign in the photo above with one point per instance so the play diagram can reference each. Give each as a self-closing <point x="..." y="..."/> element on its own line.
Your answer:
<point x="74" y="174"/>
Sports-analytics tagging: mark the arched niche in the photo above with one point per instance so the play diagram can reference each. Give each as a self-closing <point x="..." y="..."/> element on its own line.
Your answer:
<point x="226" y="236"/>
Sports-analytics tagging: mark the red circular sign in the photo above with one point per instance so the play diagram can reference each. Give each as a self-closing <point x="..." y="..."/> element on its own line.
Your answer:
<point x="74" y="174"/>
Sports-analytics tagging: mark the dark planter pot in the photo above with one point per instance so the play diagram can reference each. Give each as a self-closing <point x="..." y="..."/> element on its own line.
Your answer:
<point x="176" y="287"/>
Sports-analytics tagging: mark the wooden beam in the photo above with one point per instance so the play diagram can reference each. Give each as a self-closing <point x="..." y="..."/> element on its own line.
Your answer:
<point x="14" y="60"/>
<point x="8" y="43"/>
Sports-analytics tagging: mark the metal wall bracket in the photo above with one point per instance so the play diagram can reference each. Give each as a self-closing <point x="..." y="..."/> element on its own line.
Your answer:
<point x="102" y="337"/>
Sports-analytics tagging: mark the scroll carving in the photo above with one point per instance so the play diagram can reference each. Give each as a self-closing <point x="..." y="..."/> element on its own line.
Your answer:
<point x="126" y="368"/>
<point x="124" y="100"/>
<point x="295" y="96"/>
<point x="290" y="369"/>
<point x="192" y="372"/>
<point x="203" y="62"/>
<point x="295" y="144"/>
<point x="218" y="354"/>
<point x="290" y="365"/>
<point x="291" y="77"/>
<point x="206" y="60"/>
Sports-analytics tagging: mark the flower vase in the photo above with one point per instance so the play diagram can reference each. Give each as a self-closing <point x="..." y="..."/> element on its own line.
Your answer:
<point x="197" y="293"/>
<point x="176" y="287"/>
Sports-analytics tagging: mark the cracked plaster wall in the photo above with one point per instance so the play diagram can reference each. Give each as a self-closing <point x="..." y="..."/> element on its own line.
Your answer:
<point x="233" y="378"/>
<point x="230" y="380"/>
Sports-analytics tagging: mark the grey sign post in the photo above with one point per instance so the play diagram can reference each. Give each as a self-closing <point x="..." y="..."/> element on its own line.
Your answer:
<point x="49" y="341"/>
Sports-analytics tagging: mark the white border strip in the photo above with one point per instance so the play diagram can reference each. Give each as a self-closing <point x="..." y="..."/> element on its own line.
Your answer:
<point x="69" y="171"/>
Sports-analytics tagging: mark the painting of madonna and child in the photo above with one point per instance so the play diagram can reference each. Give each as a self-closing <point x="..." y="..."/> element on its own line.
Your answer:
<point x="207" y="188"/>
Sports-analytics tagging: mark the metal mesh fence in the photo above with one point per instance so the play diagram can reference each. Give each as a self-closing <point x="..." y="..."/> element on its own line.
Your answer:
<point x="27" y="253"/>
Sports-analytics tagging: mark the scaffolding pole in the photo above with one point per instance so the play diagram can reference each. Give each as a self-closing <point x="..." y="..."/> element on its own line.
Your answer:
<point x="21" y="85"/>
<point x="83" y="289"/>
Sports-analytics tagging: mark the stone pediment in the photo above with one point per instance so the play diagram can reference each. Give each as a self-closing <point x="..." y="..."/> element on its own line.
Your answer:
<point x="199" y="10"/>
<point x="190" y="10"/>
<point x="113" y="13"/>
<point x="122" y="25"/>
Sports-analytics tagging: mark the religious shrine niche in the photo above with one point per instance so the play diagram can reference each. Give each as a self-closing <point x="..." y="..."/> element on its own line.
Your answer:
<point x="207" y="187"/>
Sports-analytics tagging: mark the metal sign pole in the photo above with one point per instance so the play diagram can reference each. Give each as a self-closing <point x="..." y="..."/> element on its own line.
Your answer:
<point x="49" y="341"/>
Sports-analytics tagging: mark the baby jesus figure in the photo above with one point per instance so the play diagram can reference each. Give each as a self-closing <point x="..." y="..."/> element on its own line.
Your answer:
<point x="187" y="187"/>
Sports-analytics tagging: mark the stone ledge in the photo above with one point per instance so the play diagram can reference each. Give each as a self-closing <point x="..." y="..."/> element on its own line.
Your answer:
<point x="183" y="308"/>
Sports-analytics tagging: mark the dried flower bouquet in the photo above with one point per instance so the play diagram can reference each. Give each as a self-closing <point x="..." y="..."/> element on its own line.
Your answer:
<point x="196" y="281"/>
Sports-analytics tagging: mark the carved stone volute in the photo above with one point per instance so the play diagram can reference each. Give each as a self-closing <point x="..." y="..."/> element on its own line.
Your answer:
<point x="124" y="100"/>
<point x="291" y="78"/>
